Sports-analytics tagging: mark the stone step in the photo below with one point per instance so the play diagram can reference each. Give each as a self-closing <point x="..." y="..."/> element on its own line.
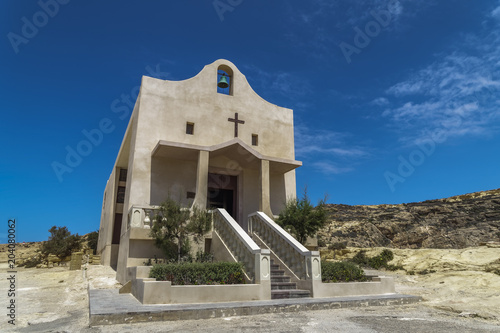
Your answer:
<point x="279" y="278"/>
<point x="283" y="285"/>
<point x="283" y="294"/>
<point x="279" y="272"/>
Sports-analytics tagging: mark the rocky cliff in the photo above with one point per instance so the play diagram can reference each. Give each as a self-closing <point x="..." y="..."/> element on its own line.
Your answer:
<point x="457" y="222"/>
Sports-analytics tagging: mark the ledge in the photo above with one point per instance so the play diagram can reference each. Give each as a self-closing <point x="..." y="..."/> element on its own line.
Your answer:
<point x="107" y="307"/>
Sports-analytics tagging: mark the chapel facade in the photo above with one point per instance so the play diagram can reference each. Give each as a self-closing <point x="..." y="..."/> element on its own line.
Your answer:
<point x="209" y="141"/>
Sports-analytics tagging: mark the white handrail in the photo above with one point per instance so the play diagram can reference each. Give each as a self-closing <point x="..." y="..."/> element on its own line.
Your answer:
<point x="240" y="233"/>
<point x="294" y="256"/>
<point x="285" y="235"/>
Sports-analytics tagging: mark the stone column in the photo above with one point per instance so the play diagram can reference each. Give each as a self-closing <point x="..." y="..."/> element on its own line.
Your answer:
<point x="200" y="198"/>
<point x="265" y="189"/>
<point x="76" y="261"/>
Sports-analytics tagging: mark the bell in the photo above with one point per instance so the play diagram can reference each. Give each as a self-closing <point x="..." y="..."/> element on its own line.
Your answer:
<point x="223" y="82"/>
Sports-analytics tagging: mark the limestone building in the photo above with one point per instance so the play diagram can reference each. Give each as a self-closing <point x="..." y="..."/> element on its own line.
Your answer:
<point x="209" y="141"/>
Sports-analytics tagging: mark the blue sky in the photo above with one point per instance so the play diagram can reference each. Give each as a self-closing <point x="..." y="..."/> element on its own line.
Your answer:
<point x="394" y="101"/>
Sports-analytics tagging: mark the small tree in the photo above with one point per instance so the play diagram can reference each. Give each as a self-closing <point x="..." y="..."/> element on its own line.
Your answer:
<point x="301" y="218"/>
<point x="173" y="225"/>
<point x="92" y="239"/>
<point x="61" y="242"/>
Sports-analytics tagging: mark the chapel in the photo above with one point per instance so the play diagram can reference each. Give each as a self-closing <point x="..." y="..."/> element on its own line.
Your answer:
<point x="209" y="141"/>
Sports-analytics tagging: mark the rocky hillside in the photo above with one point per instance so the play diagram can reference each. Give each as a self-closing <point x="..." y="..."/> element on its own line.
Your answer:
<point x="453" y="223"/>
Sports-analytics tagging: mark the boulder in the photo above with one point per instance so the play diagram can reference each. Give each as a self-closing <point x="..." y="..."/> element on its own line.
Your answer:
<point x="53" y="258"/>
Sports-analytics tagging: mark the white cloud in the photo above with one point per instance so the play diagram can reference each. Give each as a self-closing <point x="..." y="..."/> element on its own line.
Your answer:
<point x="462" y="84"/>
<point x="328" y="150"/>
<point x="406" y="88"/>
<point x="330" y="168"/>
<point x="353" y="152"/>
<point x="327" y="143"/>
<point x="496" y="13"/>
<point x="285" y="84"/>
<point x="317" y="27"/>
<point x="380" y="101"/>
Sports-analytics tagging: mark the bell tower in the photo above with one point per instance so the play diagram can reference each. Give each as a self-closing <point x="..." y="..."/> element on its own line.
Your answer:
<point x="225" y="80"/>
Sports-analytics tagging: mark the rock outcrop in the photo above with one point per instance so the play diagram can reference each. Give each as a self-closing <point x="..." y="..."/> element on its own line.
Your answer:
<point x="452" y="223"/>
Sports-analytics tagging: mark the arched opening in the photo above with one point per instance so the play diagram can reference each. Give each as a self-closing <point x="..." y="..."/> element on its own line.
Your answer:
<point x="225" y="82"/>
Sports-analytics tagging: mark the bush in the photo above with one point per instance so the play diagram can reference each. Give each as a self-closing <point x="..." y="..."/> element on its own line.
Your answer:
<point x="342" y="271"/>
<point x="202" y="256"/>
<point x="377" y="262"/>
<point x="92" y="239"/>
<point x="173" y="224"/>
<point x="426" y="271"/>
<point x="361" y="259"/>
<point x="301" y="218"/>
<point x="61" y="242"/>
<point x="32" y="262"/>
<point x="199" y="273"/>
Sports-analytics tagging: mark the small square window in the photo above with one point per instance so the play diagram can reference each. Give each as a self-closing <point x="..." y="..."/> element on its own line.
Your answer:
<point x="120" y="197"/>
<point x="191" y="195"/>
<point x="255" y="140"/>
<point x="123" y="175"/>
<point x="190" y="128"/>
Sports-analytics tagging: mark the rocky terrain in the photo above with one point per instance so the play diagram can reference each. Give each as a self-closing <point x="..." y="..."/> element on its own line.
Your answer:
<point x="32" y="251"/>
<point x="452" y="223"/>
<point x="465" y="282"/>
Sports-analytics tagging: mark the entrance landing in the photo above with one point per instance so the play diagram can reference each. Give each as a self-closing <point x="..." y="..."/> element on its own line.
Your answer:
<point x="108" y="307"/>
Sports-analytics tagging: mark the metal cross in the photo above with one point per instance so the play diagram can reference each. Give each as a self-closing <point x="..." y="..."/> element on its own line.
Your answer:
<point x="236" y="121"/>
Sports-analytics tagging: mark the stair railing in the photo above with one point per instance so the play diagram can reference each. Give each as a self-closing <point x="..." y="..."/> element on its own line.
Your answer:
<point x="304" y="265"/>
<point x="241" y="247"/>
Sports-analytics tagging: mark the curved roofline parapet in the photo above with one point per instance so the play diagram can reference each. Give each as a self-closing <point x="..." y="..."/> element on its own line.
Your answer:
<point x="238" y="77"/>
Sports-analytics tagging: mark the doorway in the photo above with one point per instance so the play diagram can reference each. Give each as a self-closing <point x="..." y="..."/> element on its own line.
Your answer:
<point x="222" y="193"/>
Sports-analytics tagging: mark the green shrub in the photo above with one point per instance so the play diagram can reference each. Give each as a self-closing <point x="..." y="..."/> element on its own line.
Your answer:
<point x="361" y="259"/>
<point x="426" y="271"/>
<point x="32" y="262"/>
<point x="92" y="239"/>
<point x="199" y="273"/>
<point x="390" y="267"/>
<point x="377" y="262"/>
<point x="386" y="255"/>
<point x="61" y="242"/>
<point x="342" y="271"/>
<point x="301" y="218"/>
<point x="202" y="256"/>
<point x="173" y="224"/>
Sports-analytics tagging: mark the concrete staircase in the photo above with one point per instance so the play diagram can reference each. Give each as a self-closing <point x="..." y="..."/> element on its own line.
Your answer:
<point x="282" y="287"/>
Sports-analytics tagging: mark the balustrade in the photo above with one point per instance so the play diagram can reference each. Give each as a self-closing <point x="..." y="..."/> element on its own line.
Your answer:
<point x="242" y="248"/>
<point x="304" y="264"/>
<point x="141" y="216"/>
